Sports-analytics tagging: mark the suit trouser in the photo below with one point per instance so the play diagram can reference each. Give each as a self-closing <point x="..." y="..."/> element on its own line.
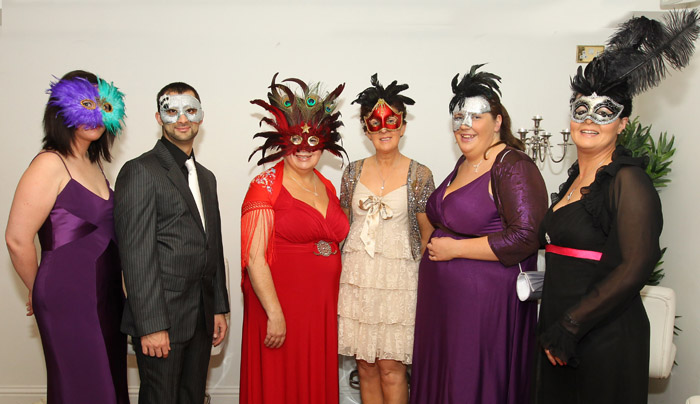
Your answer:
<point x="181" y="377"/>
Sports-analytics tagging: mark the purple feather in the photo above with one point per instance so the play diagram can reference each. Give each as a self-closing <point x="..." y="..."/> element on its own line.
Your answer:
<point x="77" y="100"/>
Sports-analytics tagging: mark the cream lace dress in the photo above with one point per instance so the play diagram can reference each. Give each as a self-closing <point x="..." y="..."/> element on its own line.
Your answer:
<point x="377" y="299"/>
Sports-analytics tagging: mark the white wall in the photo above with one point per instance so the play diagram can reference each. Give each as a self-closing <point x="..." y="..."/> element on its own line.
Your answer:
<point x="229" y="52"/>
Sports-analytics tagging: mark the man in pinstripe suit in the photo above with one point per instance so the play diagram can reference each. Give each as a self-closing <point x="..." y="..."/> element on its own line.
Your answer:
<point x="169" y="231"/>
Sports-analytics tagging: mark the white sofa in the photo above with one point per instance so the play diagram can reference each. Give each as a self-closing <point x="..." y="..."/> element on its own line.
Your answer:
<point x="660" y="304"/>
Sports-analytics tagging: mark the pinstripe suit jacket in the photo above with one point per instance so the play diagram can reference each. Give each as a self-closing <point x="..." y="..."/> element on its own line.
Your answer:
<point x="172" y="267"/>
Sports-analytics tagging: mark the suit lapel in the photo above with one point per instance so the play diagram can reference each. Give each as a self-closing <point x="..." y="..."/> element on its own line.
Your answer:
<point x="178" y="180"/>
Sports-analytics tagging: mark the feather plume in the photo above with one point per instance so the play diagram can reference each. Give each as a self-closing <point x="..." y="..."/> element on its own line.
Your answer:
<point x="77" y="102"/>
<point x="639" y="55"/>
<point x="112" y="106"/>
<point x="369" y="97"/>
<point x="301" y="115"/>
<point x="474" y="84"/>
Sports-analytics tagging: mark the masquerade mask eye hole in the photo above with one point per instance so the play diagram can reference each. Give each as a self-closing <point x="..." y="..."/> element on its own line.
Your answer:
<point x="392" y="120"/>
<point x="605" y="113"/>
<point x="88" y="104"/>
<point x="296" y="140"/>
<point x="581" y="109"/>
<point x="107" y="107"/>
<point x="312" y="141"/>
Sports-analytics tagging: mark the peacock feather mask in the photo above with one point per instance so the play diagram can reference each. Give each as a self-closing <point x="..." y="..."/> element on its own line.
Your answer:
<point x="303" y="120"/>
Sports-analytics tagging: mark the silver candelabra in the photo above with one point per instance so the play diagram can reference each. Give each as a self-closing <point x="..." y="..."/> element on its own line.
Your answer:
<point x="538" y="145"/>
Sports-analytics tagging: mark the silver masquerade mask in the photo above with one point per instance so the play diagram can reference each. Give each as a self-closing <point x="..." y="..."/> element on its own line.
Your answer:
<point x="599" y="109"/>
<point x="175" y="105"/>
<point x="472" y="106"/>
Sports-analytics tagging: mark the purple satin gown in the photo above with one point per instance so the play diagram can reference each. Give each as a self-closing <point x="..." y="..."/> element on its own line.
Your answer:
<point x="78" y="301"/>
<point x="473" y="336"/>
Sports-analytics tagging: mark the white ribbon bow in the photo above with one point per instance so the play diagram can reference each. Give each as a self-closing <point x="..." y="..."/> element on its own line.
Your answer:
<point x="375" y="208"/>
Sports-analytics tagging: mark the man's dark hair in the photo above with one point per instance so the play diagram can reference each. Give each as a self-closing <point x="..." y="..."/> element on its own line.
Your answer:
<point x="177" y="87"/>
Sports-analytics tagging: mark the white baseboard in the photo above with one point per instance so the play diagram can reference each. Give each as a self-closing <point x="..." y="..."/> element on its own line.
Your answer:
<point x="219" y="394"/>
<point x="21" y="394"/>
<point x="34" y="394"/>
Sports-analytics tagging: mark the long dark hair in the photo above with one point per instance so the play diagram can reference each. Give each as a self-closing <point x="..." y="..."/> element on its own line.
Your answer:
<point x="59" y="137"/>
<point x="505" y="134"/>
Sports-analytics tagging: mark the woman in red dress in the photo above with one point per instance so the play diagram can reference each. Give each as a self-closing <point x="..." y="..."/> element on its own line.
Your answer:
<point x="291" y="225"/>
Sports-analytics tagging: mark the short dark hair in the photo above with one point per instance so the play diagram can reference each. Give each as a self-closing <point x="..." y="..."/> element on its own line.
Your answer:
<point x="59" y="137"/>
<point x="176" y="87"/>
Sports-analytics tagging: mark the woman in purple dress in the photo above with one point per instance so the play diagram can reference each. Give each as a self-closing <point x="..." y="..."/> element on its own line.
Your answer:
<point x="473" y="336"/>
<point x="76" y="292"/>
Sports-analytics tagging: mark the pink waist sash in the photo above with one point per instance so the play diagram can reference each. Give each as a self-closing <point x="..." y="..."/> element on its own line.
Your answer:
<point x="572" y="252"/>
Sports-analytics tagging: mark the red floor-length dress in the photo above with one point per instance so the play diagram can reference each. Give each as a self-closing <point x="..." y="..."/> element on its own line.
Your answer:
<point x="305" y="369"/>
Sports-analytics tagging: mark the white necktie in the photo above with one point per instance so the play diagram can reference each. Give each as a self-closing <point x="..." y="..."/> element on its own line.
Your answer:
<point x="193" y="182"/>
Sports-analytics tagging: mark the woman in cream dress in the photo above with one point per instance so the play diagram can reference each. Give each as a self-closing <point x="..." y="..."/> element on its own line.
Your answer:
<point x="384" y="197"/>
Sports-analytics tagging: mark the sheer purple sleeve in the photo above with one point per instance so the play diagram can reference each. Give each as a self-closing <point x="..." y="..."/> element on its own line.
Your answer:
<point x="521" y="200"/>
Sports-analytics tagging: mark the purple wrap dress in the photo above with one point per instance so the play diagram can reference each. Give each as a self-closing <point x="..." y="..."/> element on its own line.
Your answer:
<point x="474" y="338"/>
<point x="78" y="300"/>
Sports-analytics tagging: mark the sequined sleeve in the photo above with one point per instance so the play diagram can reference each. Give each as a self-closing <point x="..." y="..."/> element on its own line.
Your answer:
<point x="420" y="187"/>
<point x="426" y="186"/>
<point x="347" y="185"/>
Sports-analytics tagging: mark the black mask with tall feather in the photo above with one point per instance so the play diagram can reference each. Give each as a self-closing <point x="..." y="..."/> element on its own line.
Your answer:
<point x="369" y="96"/>
<point x="637" y="57"/>
<point x="475" y="84"/>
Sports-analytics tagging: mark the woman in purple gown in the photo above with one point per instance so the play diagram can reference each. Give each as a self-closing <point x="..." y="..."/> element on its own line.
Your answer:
<point x="76" y="292"/>
<point x="473" y="336"/>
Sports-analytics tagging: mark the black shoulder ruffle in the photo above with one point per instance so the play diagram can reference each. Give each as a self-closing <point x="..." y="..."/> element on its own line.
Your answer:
<point x="594" y="196"/>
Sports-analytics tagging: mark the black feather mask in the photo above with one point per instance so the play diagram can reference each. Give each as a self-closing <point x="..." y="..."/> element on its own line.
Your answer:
<point x="383" y="108"/>
<point x="475" y="84"/>
<point x="638" y="57"/>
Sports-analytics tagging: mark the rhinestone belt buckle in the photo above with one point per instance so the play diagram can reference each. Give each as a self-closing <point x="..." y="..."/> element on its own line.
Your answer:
<point x="324" y="248"/>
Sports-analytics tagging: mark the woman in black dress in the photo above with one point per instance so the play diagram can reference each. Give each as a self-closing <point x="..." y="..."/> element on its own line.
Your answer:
<point x="602" y="231"/>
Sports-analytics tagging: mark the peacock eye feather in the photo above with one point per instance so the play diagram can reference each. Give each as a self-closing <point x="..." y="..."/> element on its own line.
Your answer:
<point x="311" y="101"/>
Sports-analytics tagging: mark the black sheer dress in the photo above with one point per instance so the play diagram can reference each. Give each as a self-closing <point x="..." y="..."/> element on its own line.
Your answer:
<point x="592" y="316"/>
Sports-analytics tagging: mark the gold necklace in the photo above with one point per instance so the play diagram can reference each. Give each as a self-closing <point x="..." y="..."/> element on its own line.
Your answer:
<point x="303" y="187"/>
